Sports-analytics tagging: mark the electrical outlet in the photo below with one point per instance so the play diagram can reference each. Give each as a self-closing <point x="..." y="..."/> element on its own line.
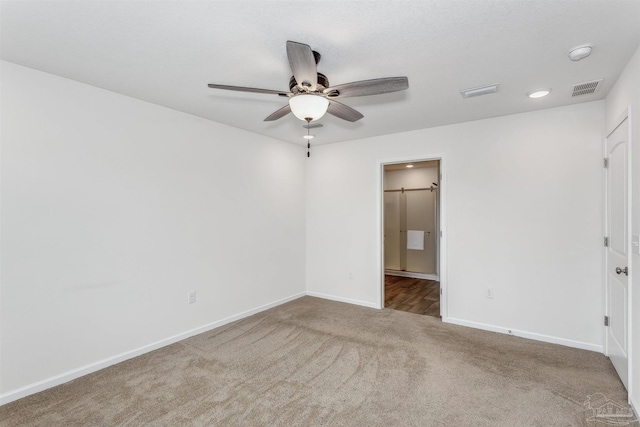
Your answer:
<point x="192" y="297"/>
<point x="351" y="275"/>
<point x="489" y="293"/>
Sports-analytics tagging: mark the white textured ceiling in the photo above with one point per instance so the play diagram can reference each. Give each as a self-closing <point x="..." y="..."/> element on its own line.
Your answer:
<point x="165" y="52"/>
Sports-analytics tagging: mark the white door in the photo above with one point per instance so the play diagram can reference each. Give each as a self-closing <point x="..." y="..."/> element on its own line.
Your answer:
<point x="618" y="249"/>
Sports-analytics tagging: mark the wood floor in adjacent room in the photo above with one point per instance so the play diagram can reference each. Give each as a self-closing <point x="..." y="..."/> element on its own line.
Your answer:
<point x="420" y="296"/>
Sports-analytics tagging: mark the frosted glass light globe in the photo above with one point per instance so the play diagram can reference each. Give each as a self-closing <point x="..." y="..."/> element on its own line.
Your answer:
<point x="308" y="107"/>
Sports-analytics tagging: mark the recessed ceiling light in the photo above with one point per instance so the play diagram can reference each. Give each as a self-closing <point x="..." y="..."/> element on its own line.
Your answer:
<point x="409" y="166"/>
<point x="308" y="136"/>
<point x="577" y="53"/>
<point x="539" y="93"/>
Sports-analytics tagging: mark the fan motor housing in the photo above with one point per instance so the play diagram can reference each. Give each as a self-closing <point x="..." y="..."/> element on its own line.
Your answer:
<point x="323" y="83"/>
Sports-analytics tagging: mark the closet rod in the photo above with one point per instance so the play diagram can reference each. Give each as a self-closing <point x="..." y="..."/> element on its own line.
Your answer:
<point x="402" y="190"/>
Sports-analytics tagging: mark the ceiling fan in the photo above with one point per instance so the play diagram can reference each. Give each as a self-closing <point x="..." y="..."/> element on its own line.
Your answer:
<point x="310" y="94"/>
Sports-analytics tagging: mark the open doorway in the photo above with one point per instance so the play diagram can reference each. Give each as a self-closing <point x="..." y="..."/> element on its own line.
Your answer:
<point x="411" y="223"/>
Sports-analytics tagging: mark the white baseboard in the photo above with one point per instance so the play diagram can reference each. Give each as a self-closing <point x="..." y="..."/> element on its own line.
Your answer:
<point x="104" y="363"/>
<point x="412" y="274"/>
<point x="101" y="364"/>
<point x="524" y="334"/>
<point x="635" y="405"/>
<point x="341" y="299"/>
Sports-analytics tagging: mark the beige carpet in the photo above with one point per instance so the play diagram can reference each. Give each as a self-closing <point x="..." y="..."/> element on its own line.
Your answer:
<point x="313" y="362"/>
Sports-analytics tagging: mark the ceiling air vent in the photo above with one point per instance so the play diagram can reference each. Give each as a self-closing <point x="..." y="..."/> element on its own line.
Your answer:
<point x="586" y="88"/>
<point x="480" y="90"/>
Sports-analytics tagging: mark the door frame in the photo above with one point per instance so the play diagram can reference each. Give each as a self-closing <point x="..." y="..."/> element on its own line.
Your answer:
<point x="626" y="114"/>
<point x="442" y="247"/>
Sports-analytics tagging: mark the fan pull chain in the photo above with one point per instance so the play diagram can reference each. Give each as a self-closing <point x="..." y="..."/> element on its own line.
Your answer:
<point x="308" y="140"/>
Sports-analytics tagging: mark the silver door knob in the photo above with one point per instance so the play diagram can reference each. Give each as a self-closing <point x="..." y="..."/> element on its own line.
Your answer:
<point x="622" y="270"/>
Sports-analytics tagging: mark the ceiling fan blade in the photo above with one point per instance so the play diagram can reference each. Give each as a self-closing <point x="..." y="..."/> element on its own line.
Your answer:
<point x="279" y="114"/>
<point x="368" y="87"/>
<point x="249" y="89"/>
<point x="343" y="112"/>
<point x="303" y="64"/>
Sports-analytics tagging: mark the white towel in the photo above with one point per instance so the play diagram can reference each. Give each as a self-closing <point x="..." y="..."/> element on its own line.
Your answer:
<point x="415" y="240"/>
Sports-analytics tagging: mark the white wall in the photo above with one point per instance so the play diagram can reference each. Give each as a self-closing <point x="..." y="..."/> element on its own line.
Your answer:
<point x="523" y="211"/>
<point x="626" y="92"/>
<point x="113" y="209"/>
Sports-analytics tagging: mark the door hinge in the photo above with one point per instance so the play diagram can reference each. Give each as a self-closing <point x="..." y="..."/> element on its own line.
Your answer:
<point x="606" y="162"/>
<point x="440" y="291"/>
<point x="606" y="320"/>
<point x="606" y="242"/>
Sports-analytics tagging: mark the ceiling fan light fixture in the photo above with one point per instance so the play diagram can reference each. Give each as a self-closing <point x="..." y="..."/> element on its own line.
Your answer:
<point x="310" y="90"/>
<point x="308" y="107"/>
